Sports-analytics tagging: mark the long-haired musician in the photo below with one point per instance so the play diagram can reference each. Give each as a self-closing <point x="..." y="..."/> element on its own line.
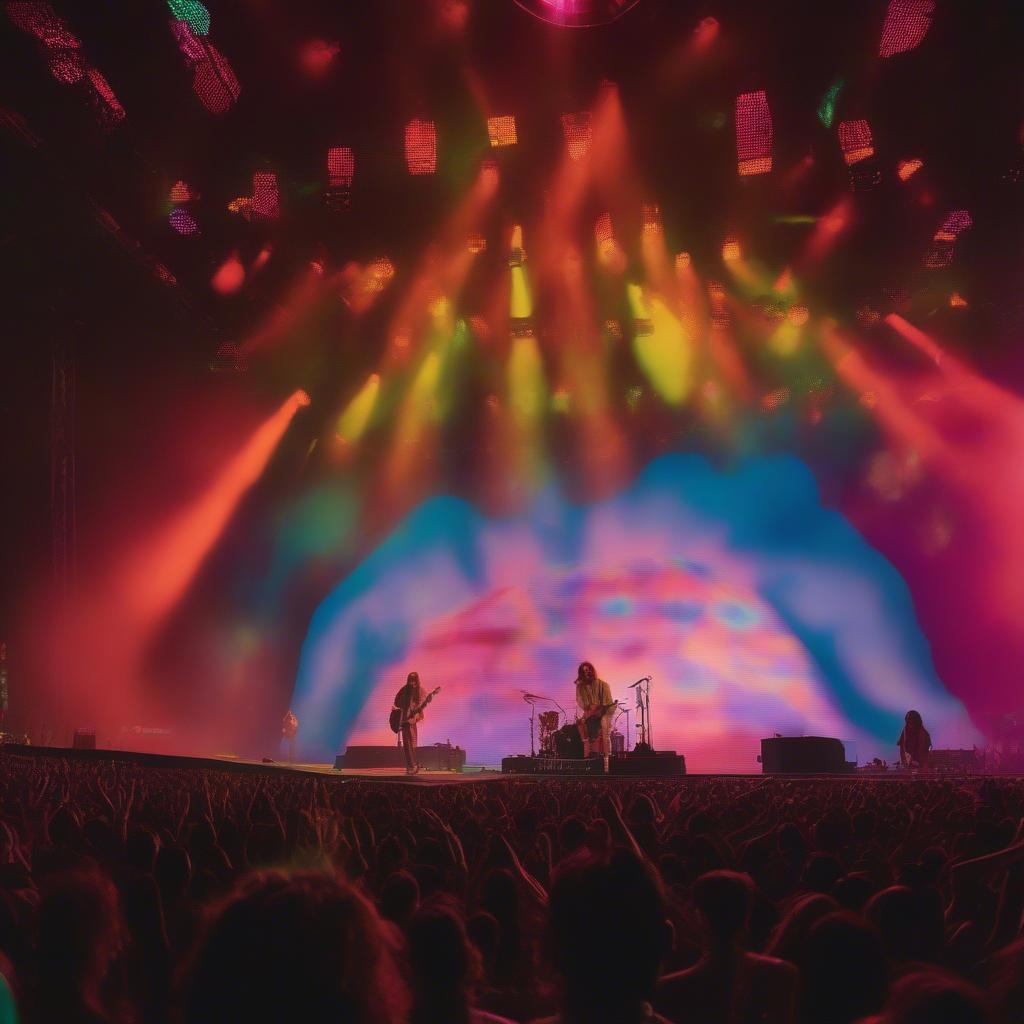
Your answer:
<point x="405" y="700"/>
<point x="594" y="699"/>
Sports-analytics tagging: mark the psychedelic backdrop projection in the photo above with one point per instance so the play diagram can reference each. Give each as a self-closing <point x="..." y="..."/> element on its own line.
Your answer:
<point x="755" y="610"/>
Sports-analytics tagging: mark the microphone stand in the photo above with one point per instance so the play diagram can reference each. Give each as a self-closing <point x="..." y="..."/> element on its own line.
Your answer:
<point x="643" y="707"/>
<point x="533" y="712"/>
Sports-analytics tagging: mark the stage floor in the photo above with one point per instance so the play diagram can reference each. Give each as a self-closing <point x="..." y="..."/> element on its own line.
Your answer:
<point x="473" y="775"/>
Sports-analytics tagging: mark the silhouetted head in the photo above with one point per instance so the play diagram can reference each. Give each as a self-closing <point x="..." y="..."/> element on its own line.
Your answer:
<point x="935" y="997"/>
<point x="399" y="897"/>
<point x="413" y="679"/>
<point x="724" y="899"/>
<point x="844" y="971"/>
<point x="913" y="719"/>
<point x="443" y="963"/>
<point x="79" y="935"/>
<point x="304" y="946"/>
<point x="607" y="933"/>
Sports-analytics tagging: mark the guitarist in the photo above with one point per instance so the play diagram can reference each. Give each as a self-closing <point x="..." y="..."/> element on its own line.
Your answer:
<point x="407" y="698"/>
<point x="594" y="699"/>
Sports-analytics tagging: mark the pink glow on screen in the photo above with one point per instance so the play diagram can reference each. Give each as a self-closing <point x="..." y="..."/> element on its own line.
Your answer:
<point x="754" y="133"/>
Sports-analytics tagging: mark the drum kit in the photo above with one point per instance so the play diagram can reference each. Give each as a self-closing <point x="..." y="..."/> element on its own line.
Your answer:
<point x="558" y="740"/>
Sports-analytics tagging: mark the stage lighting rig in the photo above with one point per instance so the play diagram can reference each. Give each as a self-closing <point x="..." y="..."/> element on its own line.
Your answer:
<point x="577" y="13"/>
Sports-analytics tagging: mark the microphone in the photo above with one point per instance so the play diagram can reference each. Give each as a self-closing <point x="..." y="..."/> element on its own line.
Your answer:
<point x="646" y="679"/>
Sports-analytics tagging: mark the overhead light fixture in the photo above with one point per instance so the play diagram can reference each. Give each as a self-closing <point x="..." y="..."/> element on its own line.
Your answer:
<point x="577" y="13"/>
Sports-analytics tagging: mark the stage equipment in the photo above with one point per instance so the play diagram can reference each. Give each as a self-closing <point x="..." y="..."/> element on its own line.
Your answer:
<point x="548" y="728"/>
<point x="84" y="739"/>
<point x="522" y="765"/>
<point x="957" y="762"/>
<point x="618" y="743"/>
<point x="568" y="742"/>
<point x="645" y="743"/>
<point x="803" y="755"/>
<point x="577" y="13"/>
<point x="661" y="764"/>
<point x="436" y="757"/>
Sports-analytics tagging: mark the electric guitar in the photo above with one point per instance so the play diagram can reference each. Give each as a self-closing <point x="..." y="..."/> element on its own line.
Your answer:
<point x="590" y="724"/>
<point x="395" y="719"/>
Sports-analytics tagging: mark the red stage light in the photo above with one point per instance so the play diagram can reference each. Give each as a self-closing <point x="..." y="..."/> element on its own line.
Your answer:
<point x="421" y="147"/>
<point x="754" y="133"/>
<point x="109" y="109"/>
<point x="182" y="193"/>
<point x="650" y="219"/>
<point x="577" y="13"/>
<point x="341" y="167"/>
<point x="502" y="131"/>
<point x="265" y="196"/>
<point x="855" y="141"/>
<point x="214" y="82"/>
<point x="262" y="257"/>
<point x="66" y="66"/>
<point x="317" y="56"/>
<point x="944" y="240"/>
<point x="476" y="244"/>
<point x="192" y="47"/>
<point x="578" y="130"/>
<point x="731" y="250"/>
<point x="906" y="169"/>
<point x="379" y="274"/>
<point x="40" y="20"/>
<point x="229" y="276"/>
<point x="682" y="262"/>
<point x="774" y="400"/>
<point x="906" y="24"/>
<point x="705" y="33"/>
<point x="604" y="234"/>
<point x="955" y="222"/>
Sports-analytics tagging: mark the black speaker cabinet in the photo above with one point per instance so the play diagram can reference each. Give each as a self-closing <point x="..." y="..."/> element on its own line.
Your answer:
<point x="84" y="739"/>
<point x="803" y="755"/>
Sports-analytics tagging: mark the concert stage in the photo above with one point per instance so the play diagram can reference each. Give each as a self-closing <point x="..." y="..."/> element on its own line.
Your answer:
<point x="515" y="769"/>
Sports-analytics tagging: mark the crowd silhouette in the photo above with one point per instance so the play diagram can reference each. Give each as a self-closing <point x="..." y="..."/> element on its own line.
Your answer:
<point x="133" y="893"/>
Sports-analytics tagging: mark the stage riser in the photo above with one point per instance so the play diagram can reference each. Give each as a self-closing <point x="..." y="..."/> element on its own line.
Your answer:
<point x="662" y="764"/>
<point x="803" y="755"/>
<point x="432" y="758"/>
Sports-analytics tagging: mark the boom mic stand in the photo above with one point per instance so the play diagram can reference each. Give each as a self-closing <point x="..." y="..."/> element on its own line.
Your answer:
<point x="533" y="712"/>
<point x="643" y="707"/>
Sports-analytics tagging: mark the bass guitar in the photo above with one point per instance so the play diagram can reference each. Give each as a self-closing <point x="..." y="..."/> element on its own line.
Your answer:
<point x="590" y="724"/>
<point x="395" y="719"/>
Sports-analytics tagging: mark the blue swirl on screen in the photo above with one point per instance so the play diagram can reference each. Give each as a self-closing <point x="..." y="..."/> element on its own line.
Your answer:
<point x="755" y="609"/>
